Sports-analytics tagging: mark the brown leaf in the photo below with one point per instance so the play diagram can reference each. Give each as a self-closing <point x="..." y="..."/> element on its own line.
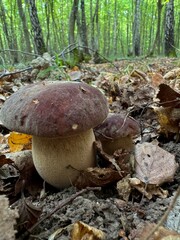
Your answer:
<point x="119" y="160"/>
<point x="147" y="190"/>
<point x="4" y="160"/>
<point x="160" y="234"/>
<point x="28" y="214"/>
<point x="97" y="177"/>
<point x="29" y="178"/>
<point x="168" y="97"/>
<point x="169" y="119"/>
<point x="82" y="231"/>
<point x="174" y="73"/>
<point x="154" y="165"/>
<point x="157" y="79"/>
<point x="124" y="188"/>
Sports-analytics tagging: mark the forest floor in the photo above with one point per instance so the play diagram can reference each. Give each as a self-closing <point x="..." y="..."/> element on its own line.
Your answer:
<point x="104" y="211"/>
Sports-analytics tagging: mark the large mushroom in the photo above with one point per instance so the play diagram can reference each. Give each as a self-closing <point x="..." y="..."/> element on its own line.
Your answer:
<point x="61" y="117"/>
<point x="116" y="132"/>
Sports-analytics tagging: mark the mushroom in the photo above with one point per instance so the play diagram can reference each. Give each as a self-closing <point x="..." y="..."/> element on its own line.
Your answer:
<point x="61" y="117"/>
<point x="116" y="132"/>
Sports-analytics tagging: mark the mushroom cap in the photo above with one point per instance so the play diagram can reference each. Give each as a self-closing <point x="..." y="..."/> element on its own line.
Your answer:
<point x="54" y="109"/>
<point x="116" y="126"/>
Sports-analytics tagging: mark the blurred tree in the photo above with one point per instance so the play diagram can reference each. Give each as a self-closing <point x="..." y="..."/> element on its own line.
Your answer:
<point x="169" y="48"/>
<point x="136" y="29"/>
<point x="40" y="47"/>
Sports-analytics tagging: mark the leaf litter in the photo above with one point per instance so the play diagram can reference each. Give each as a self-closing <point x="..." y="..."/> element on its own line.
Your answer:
<point x="133" y="193"/>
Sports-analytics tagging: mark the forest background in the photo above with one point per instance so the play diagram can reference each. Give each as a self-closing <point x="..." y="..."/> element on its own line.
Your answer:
<point x="113" y="28"/>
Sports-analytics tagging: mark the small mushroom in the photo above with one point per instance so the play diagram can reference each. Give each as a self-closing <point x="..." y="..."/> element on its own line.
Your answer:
<point x="116" y="132"/>
<point x="61" y="117"/>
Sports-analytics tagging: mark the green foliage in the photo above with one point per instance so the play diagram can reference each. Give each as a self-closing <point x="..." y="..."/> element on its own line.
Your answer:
<point x="113" y="27"/>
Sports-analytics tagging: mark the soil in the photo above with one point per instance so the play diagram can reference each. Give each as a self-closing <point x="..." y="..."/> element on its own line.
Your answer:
<point x="104" y="210"/>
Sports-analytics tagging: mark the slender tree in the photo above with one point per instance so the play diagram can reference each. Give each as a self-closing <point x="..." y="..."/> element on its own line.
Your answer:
<point x="24" y="26"/>
<point x="136" y="29"/>
<point x="36" y="28"/>
<point x="11" y="42"/>
<point x="169" y="48"/>
<point x="83" y="29"/>
<point x="72" y="21"/>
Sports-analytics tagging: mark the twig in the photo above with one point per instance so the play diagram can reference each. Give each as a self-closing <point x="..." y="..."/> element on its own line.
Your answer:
<point x="13" y="50"/>
<point x="11" y="73"/>
<point x="164" y="217"/>
<point x="62" y="204"/>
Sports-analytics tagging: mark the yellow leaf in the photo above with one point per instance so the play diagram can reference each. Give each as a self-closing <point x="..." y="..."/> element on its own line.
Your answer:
<point x="19" y="141"/>
<point x="82" y="231"/>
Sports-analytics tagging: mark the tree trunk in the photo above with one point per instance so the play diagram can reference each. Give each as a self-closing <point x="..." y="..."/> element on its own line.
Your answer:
<point x="169" y="30"/>
<point x="24" y="25"/>
<point x="83" y="29"/>
<point x="115" y="30"/>
<point x="36" y="28"/>
<point x="157" y="40"/>
<point x="136" y="29"/>
<point x="10" y="40"/>
<point x="72" y="20"/>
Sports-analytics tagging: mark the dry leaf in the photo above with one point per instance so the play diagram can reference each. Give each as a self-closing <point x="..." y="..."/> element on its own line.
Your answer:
<point x="154" y="165"/>
<point x="160" y="234"/>
<point x="19" y="141"/>
<point x="8" y="219"/>
<point x="157" y="79"/>
<point x="4" y="160"/>
<point x="29" y="179"/>
<point x="168" y="97"/>
<point x="124" y="188"/>
<point x="82" y="231"/>
<point x="168" y="118"/>
<point x="97" y="177"/>
<point x="147" y="190"/>
<point x="172" y="74"/>
<point x="28" y="214"/>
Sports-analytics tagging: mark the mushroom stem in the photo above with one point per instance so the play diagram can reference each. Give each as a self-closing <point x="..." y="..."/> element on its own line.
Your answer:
<point x="110" y="146"/>
<point x="53" y="157"/>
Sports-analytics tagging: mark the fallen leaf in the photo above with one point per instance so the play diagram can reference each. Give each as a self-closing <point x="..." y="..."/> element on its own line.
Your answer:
<point x="154" y="165"/>
<point x="124" y="188"/>
<point x="28" y="176"/>
<point x="157" y="79"/>
<point x="168" y="118"/>
<point x="168" y="97"/>
<point x="28" y="214"/>
<point x="172" y="74"/>
<point x="147" y="190"/>
<point x="19" y="141"/>
<point x="82" y="231"/>
<point x="97" y="177"/>
<point x="4" y="160"/>
<point x="161" y="233"/>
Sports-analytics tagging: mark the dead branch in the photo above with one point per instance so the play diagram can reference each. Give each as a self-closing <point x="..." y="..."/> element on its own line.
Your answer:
<point x="12" y="73"/>
<point x="61" y="204"/>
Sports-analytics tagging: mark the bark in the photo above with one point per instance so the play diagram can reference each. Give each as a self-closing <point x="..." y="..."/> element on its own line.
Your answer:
<point x="24" y="25"/>
<point x="169" y="49"/>
<point x="72" y="20"/>
<point x="83" y="30"/>
<point x="136" y="29"/>
<point x="115" y="30"/>
<point x="36" y="28"/>
<point x="157" y="40"/>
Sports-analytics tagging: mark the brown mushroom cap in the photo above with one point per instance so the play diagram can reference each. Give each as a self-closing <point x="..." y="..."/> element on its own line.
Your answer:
<point x="116" y="126"/>
<point x="54" y="109"/>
